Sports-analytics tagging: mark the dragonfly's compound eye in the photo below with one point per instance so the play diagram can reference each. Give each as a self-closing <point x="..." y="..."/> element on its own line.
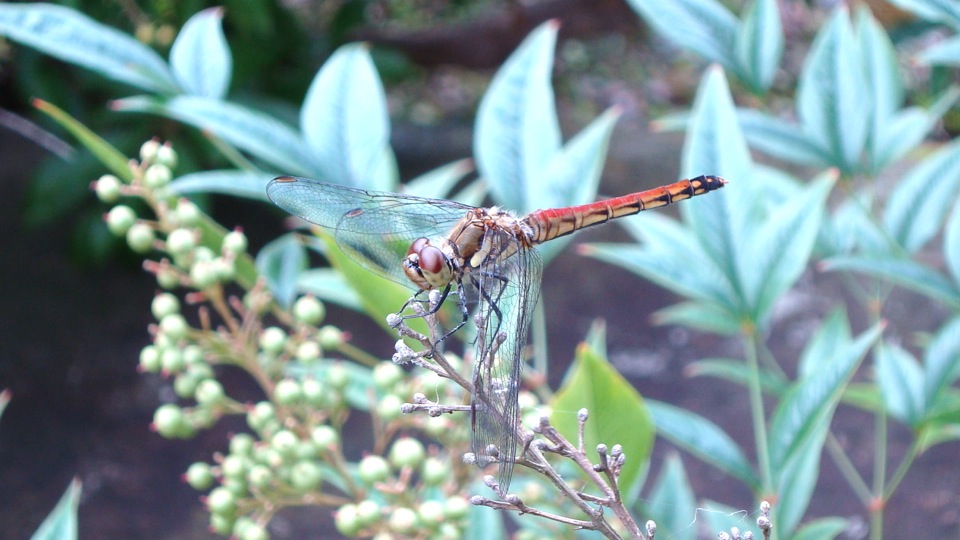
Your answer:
<point x="417" y="245"/>
<point x="432" y="260"/>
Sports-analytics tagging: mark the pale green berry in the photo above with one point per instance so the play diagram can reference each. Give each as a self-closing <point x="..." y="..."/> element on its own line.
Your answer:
<point x="431" y="514"/>
<point x="330" y="337"/>
<point x="386" y="375"/>
<point x="347" y="521"/>
<point x="209" y="392"/>
<point x="224" y="268"/>
<point x="234" y="467"/>
<point x="285" y="442"/>
<point x="388" y="408"/>
<point x="338" y="376"/>
<point x="308" y="351"/>
<point x="309" y="310"/>
<point x="314" y="392"/>
<point x="171" y="360"/>
<point x="407" y="452"/>
<point x="305" y="476"/>
<point x="242" y="444"/>
<point x="193" y="356"/>
<point x="261" y="415"/>
<point x="234" y="243"/>
<point x="287" y="392"/>
<point x="150" y="359"/>
<point x="203" y="275"/>
<point x="181" y="241"/>
<point x="200" y="476"/>
<point x="260" y="476"/>
<point x="187" y="214"/>
<point x="368" y="512"/>
<point x="148" y="151"/>
<point x="434" y="471"/>
<point x="164" y="304"/>
<point x="254" y="532"/>
<point x="403" y="521"/>
<point x="222" y="501"/>
<point x="456" y="507"/>
<point x="221" y="524"/>
<point x="273" y="340"/>
<point x="107" y="188"/>
<point x="140" y="237"/>
<point x="169" y="421"/>
<point x="157" y="176"/>
<point x="373" y="469"/>
<point x="185" y="385"/>
<point x="120" y="218"/>
<point x="203" y="253"/>
<point x="324" y="437"/>
<point x="166" y="155"/>
<point x="167" y="277"/>
<point x="174" y="326"/>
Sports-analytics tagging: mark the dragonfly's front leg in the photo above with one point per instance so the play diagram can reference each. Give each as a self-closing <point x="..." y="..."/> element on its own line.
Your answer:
<point x="434" y="307"/>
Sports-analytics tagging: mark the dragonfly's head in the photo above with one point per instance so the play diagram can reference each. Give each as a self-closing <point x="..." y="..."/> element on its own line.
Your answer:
<point x="427" y="266"/>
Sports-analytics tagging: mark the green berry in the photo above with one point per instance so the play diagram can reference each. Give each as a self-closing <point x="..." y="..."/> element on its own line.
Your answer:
<point x="242" y="444"/>
<point x="234" y="243"/>
<point x="164" y="304"/>
<point x="287" y="392"/>
<point x="169" y="421"/>
<point x="234" y="467"/>
<point x="285" y="442"/>
<point x="308" y="351"/>
<point x="431" y="514"/>
<point x="388" y="408"/>
<point x="347" y="521"/>
<point x="273" y="340"/>
<point x="309" y="310"/>
<point x="222" y="501"/>
<point x="157" y="176"/>
<point x="199" y="476"/>
<point x="107" y="188"/>
<point x="373" y="469"/>
<point x="330" y="337"/>
<point x="254" y="532"/>
<point x="456" y="507"/>
<point x="403" y="521"/>
<point x="174" y="326"/>
<point x="209" y="392"/>
<point x="260" y="476"/>
<point x="434" y="471"/>
<point x="148" y="151"/>
<point x="120" y="218"/>
<point x="185" y="385"/>
<point x="203" y="275"/>
<point x="140" y="237"/>
<point x="407" y="452"/>
<point x="305" y="476"/>
<point x="368" y="512"/>
<point x="187" y="213"/>
<point x="261" y="415"/>
<point x="166" y="155"/>
<point x="386" y="375"/>
<point x="338" y="376"/>
<point x="167" y="277"/>
<point x="171" y="360"/>
<point x="150" y="359"/>
<point x="324" y="437"/>
<point x="181" y="241"/>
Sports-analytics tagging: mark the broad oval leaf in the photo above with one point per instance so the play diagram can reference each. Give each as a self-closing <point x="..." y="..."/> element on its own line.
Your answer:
<point x="704" y="439"/>
<point x="904" y="272"/>
<point x="951" y="244"/>
<point x="780" y="138"/>
<point x="517" y="132"/>
<point x="901" y="381"/>
<point x="941" y="363"/>
<point x="618" y="414"/>
<point x="200" y="57"/>
<point x="73" y="37"/>
<point x="281" y="263"/>
<point x="344" y="121"/>
<point x="945" y="53"/>
<point x="759" y="44"/>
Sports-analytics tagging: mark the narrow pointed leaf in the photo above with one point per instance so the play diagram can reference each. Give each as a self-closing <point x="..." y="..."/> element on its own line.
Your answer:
<point x="702" y="438"/>
<point x="330" y="286"/>
<point x="439" y="183"/>
<point x="833" y="335"/>
<point x="200" y="57"/>
<point x="736" y="371"/>
<point x="671" y="502"/>
<point x="699" y="316"/>
<point x="797" y="478"/>
<point x="61" y="524"/>
<point x="759" y="44"/>
<point x="705" y="27"/>
<point x="780" y="139"/>
<point x="832" y="105"/>
<point x="344" y="121"/>
<point x="951" y="244"/>
<point x="618" y="414"/>
<point x="945" y="53"/>
<point x="906" y="129"/>
<point x="901" y="381"/>
<point x="73" y="37"/>
<point x="246" y="184"/>
<point x="945" y="11"/>
<point x="517" y="132"/>
<point x="904" y="272"/>
<point x="941" y="363"/>
<point x="260" y="135"/>
<point x="821" y="529"/>
<point x="918" y="205"/>
<point x="281" y="263"/>
<point x="110" y="157"/>
<point x="813" y="399"/>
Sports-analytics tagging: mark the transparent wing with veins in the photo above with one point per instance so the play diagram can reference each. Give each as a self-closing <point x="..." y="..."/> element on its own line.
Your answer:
<point x="508" y="291"/>
<point x="374" y="228"/>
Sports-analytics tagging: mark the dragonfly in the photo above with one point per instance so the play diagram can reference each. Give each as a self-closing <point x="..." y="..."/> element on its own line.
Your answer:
<point x="481" y="256"/>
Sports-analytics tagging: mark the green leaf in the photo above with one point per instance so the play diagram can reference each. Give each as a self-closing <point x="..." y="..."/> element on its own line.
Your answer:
<point x="951" y="244"/>
<point x="112" y="159"/>
<point x="736" y="371"/>
<point x="439" y="183"/>
<point x="246" y="184"/>
<point x="700" y="316"/>
<point x="780" y="139"/>
<point x="705" y="27"/>
<point x="831" y="102"/>
<point x="329" y="285"/>
<point x="945" y="11"/>
<point x="704" y="439"/>
<point x="901" y="381"/>
<point x="903" y="272"/>
<point x="813" y="398"/>
<point x="797" y="478"/>
<point x="919" y="203"/>
<point x="671" y="502"/>
<point x="906" y="129"/>
<point x="941" y="362"/>
<point x="61" y="523"/>
<point x="4" y="400"/>
<point x="517" y="132"/>
<point x="281" y="262"/>
<point x="759" y="44"/>
<point x="73" y="37"/>
<point x="344" y="121"/>
<point x="618" y="414"/>
<point x="572" y="176"/>
<point x="252" y="131"/>
<point x="200" y="57"/>
<point x="944" y="53"/>
<point x="834" y="334"/>
<point x="821" y="529"/>
<point x="486" y="524"/>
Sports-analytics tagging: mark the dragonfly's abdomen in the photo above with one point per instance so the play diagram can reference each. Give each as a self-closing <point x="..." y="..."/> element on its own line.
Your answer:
<point x="549" y="224"/>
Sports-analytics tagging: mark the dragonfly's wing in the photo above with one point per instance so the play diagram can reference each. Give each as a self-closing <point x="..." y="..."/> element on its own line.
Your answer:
<point x="374" y="228"/>
<point x="508" y="291"/>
